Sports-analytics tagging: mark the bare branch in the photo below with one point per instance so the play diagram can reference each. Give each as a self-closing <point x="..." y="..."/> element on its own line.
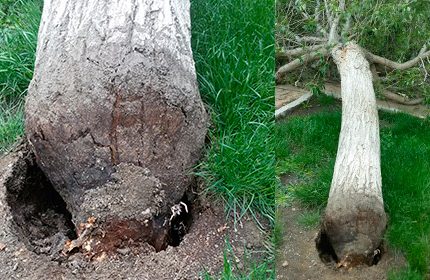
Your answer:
<point x="310" y="39"/>
<point x="342" y="5"/>
<point x="423" y="49"/>
<point x="333" y="35"/>
<point x="346" y="27"/>
<point x="327" y="11"/>
<point x="401" y="99"/>
<point x="309" y="57"/>
<point x="298" y="51"/>
<point x="375" y="76"/>
<point x="317" y="20"/>
<point x="419" y="111"/>
<point x="392" y="64"/>
<point x="305" y="15"/>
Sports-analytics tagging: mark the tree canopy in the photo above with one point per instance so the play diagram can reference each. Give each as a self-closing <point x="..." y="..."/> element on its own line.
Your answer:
<point x="392" y="29"/>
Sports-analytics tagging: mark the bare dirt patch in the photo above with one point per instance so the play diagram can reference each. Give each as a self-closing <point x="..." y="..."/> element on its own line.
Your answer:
<point x="35" y="224"/>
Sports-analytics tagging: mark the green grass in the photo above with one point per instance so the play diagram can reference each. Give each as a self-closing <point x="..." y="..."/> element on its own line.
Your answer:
<point x="311" y="145"/>
<point x="11" y="126"/>
<point x="18" y="37"/>
<point x="233" y="44"/>
<point x="19" y="22"/>
<point x="309" y="219"/>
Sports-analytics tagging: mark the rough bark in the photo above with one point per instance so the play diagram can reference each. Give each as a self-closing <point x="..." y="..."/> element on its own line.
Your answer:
<point x="355" y="220"/>
<point x="114" y="96"/>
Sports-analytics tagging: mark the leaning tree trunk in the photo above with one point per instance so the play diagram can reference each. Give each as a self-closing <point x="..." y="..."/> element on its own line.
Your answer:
<point x="113" y="113"/>
<point x="355" y="220"/>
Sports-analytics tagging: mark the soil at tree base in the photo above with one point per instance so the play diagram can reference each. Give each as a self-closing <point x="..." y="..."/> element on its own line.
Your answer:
<point x="200" y="250"/>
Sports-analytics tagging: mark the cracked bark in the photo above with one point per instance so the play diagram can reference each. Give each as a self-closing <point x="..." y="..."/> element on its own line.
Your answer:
<point x="114" y="92"/>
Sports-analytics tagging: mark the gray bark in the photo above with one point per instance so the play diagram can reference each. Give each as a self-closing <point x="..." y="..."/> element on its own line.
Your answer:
<point x="355" y="219"/>
<point x="113" y="113"/>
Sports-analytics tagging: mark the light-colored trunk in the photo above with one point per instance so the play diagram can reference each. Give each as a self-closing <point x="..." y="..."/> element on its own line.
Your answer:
<point x="355" y="220"/>
<point x="113" y="112"/>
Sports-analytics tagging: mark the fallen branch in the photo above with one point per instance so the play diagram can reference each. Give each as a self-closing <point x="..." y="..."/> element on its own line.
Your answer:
<point x="300" y="61"/>
<point x="317" y="20"/>
<point x="392" y="64"/>
<point x="328" y="14"/>
<point x="310" y="39"/>
<point x="401" y="99"/>
<point x="333" y="35"/>
<point x="419" y="110"/>
<point x="298" y="51"/>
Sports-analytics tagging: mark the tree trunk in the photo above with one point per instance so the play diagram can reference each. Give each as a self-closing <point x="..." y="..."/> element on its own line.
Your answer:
<point x="113" y="113"/>
<point x="355" y="220"/>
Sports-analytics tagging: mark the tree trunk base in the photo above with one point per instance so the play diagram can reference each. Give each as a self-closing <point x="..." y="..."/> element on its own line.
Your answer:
<point x="351" y="235"/>
<point x="35" y="225"/>
<point x="41" y="219"/>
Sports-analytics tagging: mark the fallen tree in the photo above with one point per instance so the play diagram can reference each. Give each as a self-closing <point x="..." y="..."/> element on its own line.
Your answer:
<point x="354" y="220"/>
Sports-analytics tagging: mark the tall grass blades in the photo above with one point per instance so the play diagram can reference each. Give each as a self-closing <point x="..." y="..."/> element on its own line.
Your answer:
<point x="233" y="44"/>
<point x="18" y="38"/>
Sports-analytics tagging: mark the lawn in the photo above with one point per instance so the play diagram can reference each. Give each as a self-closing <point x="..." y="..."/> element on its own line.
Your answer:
<point x="19" y="22"/>
<point x="233" y="45"/>
<point x="306" y="146"/>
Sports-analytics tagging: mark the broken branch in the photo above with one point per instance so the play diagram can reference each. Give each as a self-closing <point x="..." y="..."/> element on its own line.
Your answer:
<point x="327" y="11"/>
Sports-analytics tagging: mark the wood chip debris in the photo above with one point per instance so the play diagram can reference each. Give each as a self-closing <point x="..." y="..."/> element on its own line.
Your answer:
<point x="222" y="228"/>
<point x="84" y="234"/>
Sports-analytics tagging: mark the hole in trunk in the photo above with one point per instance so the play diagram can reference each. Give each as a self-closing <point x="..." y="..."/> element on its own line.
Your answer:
<point x="39" y="213"/>
<point x="180" y="224"/>
<point x="377" y="255"/>
<point x="160" y="232"/>
<point x="325" y="250"/>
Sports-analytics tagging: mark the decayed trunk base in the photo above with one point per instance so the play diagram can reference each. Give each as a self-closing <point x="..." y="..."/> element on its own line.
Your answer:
<point x="35" y="225"/>
<point x="353" y="234"/>
<point x="39" y="215"/>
